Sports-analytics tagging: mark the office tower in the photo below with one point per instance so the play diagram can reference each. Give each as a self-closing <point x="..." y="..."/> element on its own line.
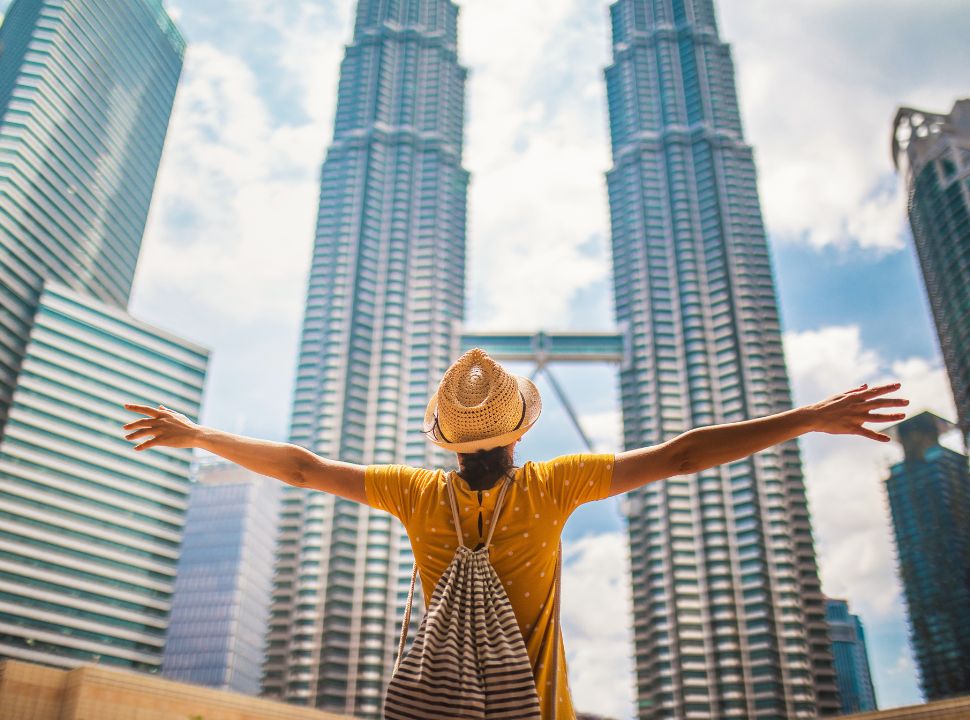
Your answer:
<point x="86" y="89"/>
<point x="385" y="291"/>
<point x="223" y="581"/>
<point x="933" y="153"/>
<point x="728" y="614"/>
<point x="851" y="658"/>
<point x="929" y="497"/>
<point x="89" y="528"/>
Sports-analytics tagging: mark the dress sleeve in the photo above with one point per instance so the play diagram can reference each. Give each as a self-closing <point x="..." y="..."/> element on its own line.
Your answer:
<point x="572" y="480"/>
<point x="387" y="488"/>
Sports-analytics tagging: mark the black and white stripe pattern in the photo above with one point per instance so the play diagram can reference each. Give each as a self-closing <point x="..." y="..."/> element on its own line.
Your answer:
<point x="469" y="659"/>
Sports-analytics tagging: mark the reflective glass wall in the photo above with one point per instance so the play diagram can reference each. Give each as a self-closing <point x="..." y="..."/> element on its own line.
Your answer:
<point x="90" y="530"/>
<point x="222" y="589"/>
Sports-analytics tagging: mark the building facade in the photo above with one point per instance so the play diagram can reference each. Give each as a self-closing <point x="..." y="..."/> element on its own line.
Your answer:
<point x="932" y="151"/>
<point x="929" y="497"/>
<point x="86" y="89"/>
<point x="384" y="296"/>
<point x="728" y="613"/>
<point x="90" y="529"/>
<point x="851" y="658"/>
<point x="223" y="581"/>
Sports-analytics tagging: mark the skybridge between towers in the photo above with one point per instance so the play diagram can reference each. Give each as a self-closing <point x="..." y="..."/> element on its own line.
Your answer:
<point x="543" y="348"/>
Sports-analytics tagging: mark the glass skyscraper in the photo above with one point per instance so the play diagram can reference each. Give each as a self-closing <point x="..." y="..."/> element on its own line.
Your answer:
<point x="933" y="152"/>
<point x="728" y="613"/>
<point x="223" y="581"/>
<point x="385" y="294"/>
<point x="929" y="497"/>
<point x="86" y="89"/>
<point x="90" y="529"/>
<point x="851" y="658"/>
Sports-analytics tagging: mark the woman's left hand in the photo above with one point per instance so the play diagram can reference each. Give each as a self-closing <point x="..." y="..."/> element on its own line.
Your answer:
<point x="846" y="413"/>
<point x="167" y="427"/>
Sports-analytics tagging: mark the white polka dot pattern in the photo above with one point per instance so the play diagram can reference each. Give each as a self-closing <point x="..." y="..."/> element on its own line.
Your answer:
<point x="525" y="529"/>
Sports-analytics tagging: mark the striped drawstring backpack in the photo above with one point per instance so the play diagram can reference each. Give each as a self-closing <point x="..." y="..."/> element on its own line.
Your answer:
<point x="469" y="658"/>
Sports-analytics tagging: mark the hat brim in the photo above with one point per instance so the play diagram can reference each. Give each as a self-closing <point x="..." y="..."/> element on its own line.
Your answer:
<point x="533" y="406"/>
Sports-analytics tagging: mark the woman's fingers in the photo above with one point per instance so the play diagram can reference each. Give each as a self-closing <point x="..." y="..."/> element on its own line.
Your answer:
<point x="160" y="420"/>
<point x="879" y="390"/>
<point x="883" y="417"/>
<point x="887" y="402"/>
<point x="846" y="413"/>
<point x="866" y="432"/>
<point x="168" y="428"/>
<point x="145" y="409"/>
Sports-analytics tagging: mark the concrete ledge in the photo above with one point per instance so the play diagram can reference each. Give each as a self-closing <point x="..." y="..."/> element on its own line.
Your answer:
<point x="94" y="692"/>
<point x="951" y="709"/>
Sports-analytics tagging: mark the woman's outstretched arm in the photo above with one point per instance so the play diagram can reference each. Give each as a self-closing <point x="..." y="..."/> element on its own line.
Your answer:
<point x="705" y="447"/>
<point x="290" y="463"/>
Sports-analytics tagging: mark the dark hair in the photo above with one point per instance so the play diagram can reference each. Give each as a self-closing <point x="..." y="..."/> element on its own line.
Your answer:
<point x="485" y="466"/>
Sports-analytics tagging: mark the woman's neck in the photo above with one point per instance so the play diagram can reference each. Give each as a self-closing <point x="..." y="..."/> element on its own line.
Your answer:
<point x="485" y="483"/>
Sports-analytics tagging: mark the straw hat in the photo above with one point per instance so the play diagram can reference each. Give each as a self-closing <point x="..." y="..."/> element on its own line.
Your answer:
<point x="479" y="405"/>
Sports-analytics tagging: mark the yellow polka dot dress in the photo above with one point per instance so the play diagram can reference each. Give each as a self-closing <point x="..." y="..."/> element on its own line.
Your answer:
<point x="537" y="504"/>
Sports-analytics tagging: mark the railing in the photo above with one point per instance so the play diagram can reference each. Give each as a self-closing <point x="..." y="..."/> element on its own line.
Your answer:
<point x="543" y="347"/>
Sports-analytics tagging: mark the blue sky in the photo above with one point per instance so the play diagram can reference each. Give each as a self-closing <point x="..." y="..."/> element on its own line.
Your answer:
<point x="226" y="252"/>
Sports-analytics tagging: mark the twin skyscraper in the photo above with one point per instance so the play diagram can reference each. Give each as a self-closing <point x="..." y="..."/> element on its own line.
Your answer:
<point x="728" y="614"/>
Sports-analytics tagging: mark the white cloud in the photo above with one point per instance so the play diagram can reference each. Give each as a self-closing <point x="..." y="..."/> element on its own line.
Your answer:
<point x="818" y="93"/>
<point x="173" y="11"/>
<point x="819" y="84"/>
<point x="826" y="361"/>
<point x="926" y="383"/>
<point x="232" y="222"/>
<point x="845" y="479"/>
<point x="309" y="39"/>
<point x="596" y="622"/>
<point x="604" y="429"/>
<point x="229" y="237"/>
<point x="902" y="672"/>
<point x="845" y="476"/>
<point x="537" y="150"/>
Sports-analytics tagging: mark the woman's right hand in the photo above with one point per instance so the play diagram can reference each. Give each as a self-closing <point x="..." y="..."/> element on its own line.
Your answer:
<point x="166" y="428"/>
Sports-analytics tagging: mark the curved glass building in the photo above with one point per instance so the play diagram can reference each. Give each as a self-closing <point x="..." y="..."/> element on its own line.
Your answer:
<point x="86" y="89"/>
<point x="89" y="530"/>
